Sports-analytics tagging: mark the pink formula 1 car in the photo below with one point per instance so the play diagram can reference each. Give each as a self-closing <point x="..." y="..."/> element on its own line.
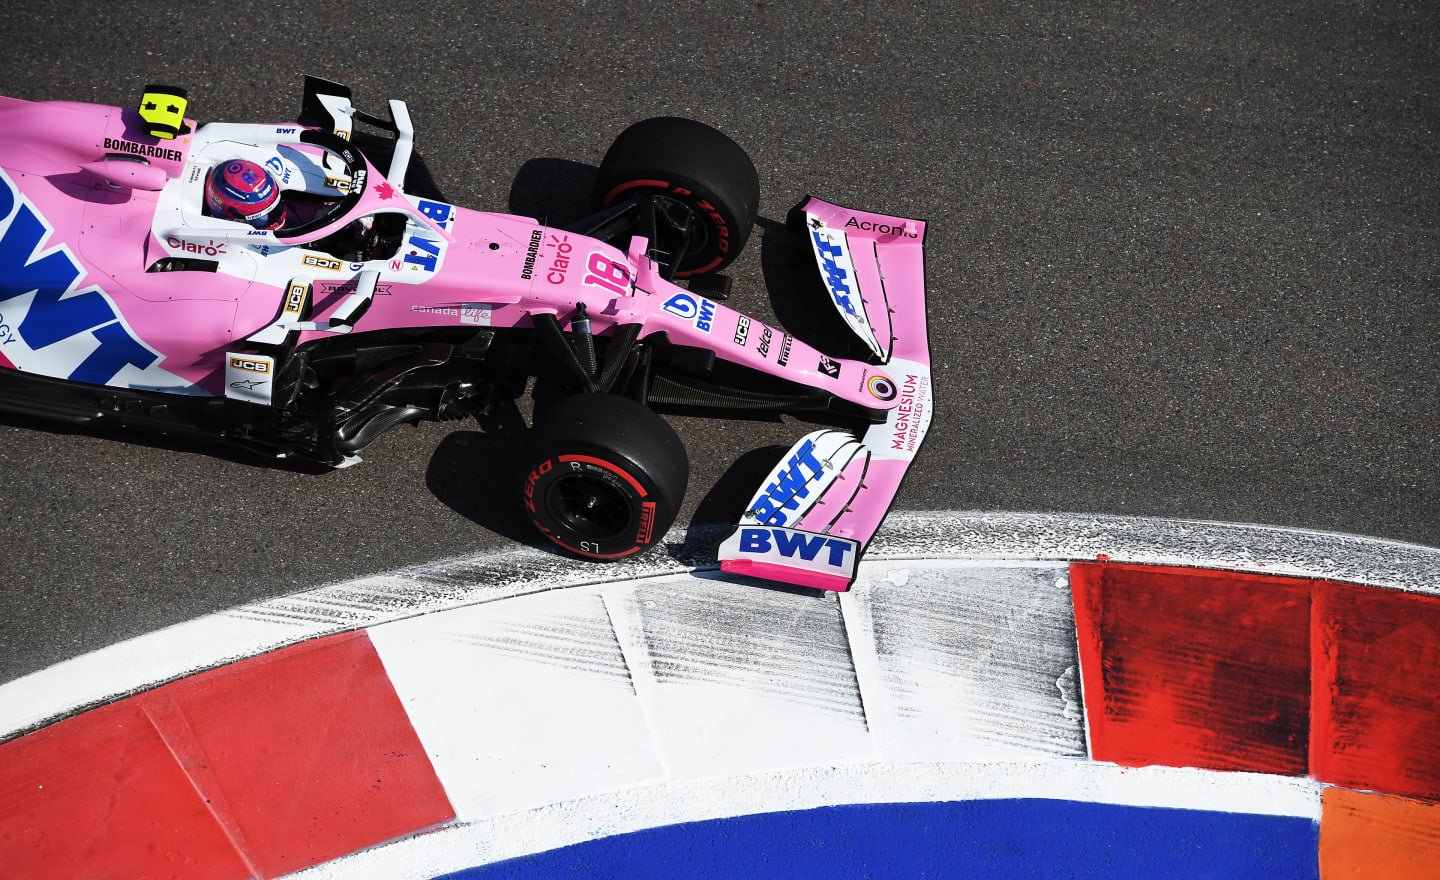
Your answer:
<point x="132" y="293"/>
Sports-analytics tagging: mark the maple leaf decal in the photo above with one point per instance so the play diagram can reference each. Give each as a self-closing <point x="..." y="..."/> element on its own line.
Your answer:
<point x="385" y="191"/>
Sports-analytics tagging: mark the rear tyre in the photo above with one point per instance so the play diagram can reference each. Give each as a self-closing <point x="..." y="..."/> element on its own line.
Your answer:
<point x="687" y="164"/>
<point x="604" y="476"/>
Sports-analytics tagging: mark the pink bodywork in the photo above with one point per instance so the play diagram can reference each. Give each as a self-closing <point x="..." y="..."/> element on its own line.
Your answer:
<point x="114" y="223"/>
<point x="111" y="273"/>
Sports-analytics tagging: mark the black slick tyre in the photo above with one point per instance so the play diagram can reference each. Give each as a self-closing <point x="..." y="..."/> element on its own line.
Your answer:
<point x="686" y="163"/>
<point x="604" y="476"/>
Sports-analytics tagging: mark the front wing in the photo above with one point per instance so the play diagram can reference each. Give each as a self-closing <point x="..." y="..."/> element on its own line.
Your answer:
<point x="812" y="518"/>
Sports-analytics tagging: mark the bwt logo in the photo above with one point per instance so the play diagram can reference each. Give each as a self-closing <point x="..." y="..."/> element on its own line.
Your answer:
<point x="789" y="544"/>
<point x="439" y="212"/>
<point x="834" y="275"/>
<point x="57" y="313"/>
<point x="275" y="164"/>
<point x="423" y="253"/>
<point x="699" y="310"/>
<point x="790" y="487"/>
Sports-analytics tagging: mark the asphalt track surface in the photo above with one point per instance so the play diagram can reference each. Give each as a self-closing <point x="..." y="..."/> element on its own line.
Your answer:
<point x="1182" y="263"/>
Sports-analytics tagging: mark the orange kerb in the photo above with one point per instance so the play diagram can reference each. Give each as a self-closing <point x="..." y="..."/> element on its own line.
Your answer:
<point x="1379" y="836"/>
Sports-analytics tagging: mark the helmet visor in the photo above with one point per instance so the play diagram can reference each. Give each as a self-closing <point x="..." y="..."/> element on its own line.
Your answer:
<point x="260" y="218"/>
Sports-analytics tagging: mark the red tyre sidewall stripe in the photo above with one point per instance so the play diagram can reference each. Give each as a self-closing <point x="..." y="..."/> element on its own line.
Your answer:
<point x="609" y="467"/>
<point x="632" y="184"/>
<point x="700" y="271"/>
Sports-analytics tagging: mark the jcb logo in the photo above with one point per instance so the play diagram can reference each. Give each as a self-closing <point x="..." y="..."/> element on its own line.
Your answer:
<point x="320" y="262"/>
<point x="247" y="364"/>
<point x="295" y="299"/>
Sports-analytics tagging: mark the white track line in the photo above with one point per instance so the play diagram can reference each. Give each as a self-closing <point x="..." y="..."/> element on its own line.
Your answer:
<point x="146" y="661"/>
<point x="560" y="696"/>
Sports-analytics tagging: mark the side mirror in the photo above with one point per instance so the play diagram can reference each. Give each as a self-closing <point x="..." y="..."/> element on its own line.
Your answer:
<point x="120" y="173"/>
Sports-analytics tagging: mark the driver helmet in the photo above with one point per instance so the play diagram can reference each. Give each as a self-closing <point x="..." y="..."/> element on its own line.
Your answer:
<point x="242" y="190"/>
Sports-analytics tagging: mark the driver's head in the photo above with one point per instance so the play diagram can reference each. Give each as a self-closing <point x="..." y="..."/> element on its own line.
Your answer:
<point x="242" y="190"/>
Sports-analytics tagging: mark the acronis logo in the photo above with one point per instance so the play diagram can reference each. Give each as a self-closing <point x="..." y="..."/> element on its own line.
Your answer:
<point x="72" y="334"/>
<point x="835" y="275"/>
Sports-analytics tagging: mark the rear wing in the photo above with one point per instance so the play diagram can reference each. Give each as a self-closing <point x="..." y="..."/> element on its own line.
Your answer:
<point x="811" y="519"/>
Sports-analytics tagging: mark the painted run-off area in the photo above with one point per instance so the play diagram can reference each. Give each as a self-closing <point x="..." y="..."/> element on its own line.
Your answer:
<point x="910" y="540"/>
<point x="526" y="708"/>
<point x="256" y="769"/>
<point x="1256" y="673"/>
<point x="1360" y="836"/>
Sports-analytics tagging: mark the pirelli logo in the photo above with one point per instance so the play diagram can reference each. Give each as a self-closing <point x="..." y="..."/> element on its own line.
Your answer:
<point x="321" y="262"/>
<point x="253" y="366"/>
<point x="295" y="300"/>
<point x="647" y="522"/>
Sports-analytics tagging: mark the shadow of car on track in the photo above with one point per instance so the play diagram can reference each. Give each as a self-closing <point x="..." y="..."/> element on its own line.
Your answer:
<point x="474" y="472"/>
<point x="554" y="191"/>
<point x="170" y="443"/>
<point x="798" y="296"/>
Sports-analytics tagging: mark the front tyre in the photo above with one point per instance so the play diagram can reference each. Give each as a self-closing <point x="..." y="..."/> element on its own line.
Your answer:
<point x="702" y="180"/>
<point x="604" y="477"/>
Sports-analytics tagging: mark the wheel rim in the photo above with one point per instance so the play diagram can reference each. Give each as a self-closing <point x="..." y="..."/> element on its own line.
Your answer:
<point x="696" y="232"/>
<point x="591" y="507"/>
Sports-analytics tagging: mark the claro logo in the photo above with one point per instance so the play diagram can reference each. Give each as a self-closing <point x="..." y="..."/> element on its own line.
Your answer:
<point x="247" y="364"/>
<point x="209" y="248"/>
<point x="561" y="262"/>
